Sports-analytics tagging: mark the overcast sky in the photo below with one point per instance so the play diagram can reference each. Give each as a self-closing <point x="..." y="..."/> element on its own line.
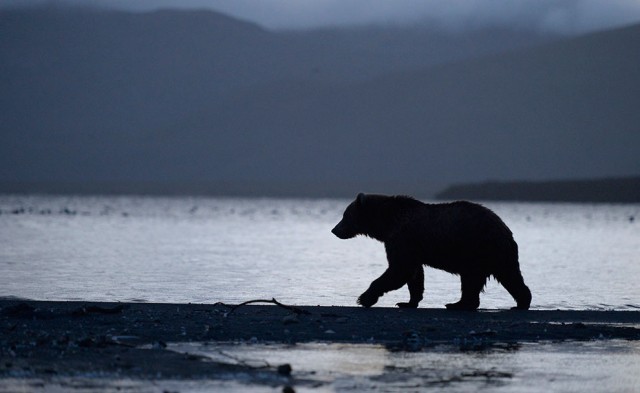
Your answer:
<point x="556" y="15"/>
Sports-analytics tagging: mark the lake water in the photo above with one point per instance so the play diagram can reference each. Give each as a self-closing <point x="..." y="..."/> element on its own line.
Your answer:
<point x="573" y="256"/>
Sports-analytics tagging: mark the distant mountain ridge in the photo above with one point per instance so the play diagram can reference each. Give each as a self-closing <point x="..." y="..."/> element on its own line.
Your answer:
<point x="558" y="111"/>
<point x="209" y="102"/>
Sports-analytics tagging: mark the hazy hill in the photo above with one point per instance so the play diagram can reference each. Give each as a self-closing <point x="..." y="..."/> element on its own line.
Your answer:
<point x="201" y="99"/>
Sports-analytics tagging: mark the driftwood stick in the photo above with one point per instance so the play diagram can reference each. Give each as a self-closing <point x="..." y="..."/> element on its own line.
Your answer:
<point x="272" y="301"/>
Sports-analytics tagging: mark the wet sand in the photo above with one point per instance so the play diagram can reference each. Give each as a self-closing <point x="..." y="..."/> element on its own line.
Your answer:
<point x="43" y="339"/>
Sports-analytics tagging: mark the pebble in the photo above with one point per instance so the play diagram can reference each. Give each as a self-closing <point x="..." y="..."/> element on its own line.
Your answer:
<point x="158" y="345"/>
<point x="484" y="333"/>
<point x="289" y="319"/>
<point x="284" y="369"/>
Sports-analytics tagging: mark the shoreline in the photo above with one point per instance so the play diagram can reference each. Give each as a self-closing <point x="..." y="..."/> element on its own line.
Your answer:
<point x="44" y="339"/>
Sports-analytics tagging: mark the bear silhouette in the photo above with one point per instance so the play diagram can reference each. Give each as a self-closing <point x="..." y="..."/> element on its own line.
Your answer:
<point x="462" y="238"/>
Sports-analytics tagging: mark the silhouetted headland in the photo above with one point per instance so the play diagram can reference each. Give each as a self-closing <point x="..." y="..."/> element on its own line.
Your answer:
<point x="614" y="190"/>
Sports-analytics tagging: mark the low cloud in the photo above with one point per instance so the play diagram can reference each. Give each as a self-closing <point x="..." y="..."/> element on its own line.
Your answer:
<point x="570" y="16"/>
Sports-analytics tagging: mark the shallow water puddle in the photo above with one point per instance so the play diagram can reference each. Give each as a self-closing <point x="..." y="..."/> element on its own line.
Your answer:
<point x="569" y="366"/>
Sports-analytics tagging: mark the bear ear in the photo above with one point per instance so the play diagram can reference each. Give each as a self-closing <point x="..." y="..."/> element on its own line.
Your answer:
<point x="360" y="199"/>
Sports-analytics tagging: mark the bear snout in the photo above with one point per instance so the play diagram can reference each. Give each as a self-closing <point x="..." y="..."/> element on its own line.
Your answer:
<point x="340" y="231"/>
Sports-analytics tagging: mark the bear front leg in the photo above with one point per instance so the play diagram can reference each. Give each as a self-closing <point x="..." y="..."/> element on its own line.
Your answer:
<point x="391" y="279"/>
<point x="416" y="289"/>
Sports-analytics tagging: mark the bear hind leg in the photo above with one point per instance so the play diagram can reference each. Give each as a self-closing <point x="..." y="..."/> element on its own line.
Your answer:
<point x="514" y="284"/>
<point x="416" y="289"/>
<point x="471" y="285"/>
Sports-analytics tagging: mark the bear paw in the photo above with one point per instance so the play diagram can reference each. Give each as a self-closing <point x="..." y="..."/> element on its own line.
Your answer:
<point x="462" y="306"/>
<point x="367" y="299"/>
<point x="407" y="305"/>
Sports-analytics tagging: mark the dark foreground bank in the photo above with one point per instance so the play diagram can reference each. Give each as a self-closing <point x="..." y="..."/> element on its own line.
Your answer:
<point x="39" y="339"/>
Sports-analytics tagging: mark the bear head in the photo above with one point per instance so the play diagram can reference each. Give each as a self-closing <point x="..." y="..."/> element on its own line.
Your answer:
<point x="351" y="224"/>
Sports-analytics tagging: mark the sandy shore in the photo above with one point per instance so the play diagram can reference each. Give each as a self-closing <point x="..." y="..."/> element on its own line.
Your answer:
<point x="39" y="339"/>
